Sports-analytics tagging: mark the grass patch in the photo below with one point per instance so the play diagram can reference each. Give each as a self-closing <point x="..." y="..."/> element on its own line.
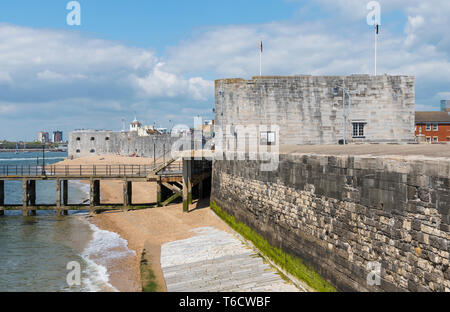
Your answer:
<point x="291" y="264"/>
<point x="147" y="276"/>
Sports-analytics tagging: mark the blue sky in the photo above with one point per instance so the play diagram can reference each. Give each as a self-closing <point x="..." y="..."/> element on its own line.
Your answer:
<point x="160" y="58"/>
<point x="145" y="23"/>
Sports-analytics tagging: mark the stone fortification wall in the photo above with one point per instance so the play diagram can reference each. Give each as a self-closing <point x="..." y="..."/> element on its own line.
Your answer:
<point x="343" y="214"/>
<point x="86" y="143"/>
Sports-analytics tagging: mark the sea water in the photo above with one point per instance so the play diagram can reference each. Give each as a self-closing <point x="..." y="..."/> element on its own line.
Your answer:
<point x="35" y="251"/>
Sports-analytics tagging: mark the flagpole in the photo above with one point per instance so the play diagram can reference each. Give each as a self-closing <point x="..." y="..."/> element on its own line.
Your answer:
<point x="260" y="60"/>
<point x="376" y="44"/>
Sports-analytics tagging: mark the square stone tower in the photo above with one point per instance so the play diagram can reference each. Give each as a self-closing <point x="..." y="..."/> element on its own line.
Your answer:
<point x="310" y="109"/>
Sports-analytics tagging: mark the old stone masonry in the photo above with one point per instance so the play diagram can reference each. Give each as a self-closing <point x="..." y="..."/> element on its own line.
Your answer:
<point x="340" y="213"/>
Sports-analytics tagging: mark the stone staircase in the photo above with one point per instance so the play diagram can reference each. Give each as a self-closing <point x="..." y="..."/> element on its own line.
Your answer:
<point x="216" y="261"/>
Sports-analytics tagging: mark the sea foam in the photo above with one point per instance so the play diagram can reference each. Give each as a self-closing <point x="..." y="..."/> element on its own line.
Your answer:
<point x="104" y="247"/>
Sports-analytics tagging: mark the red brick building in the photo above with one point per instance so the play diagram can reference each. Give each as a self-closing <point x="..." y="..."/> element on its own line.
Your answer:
<point x="433" y="127"/>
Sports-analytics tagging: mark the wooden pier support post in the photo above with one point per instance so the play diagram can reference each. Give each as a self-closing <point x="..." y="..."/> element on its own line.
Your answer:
<point x="31" y="196"/>
<point x="190" y="180"/>
<point x="127" y="194"/>
<point x="58" y="193"/>
<point x="58" y="197"/>
<point x="65" y="197"/>
<point x="60" y="208"/>
<point x="158" y="192"/>
<point x="2" y="197"/>
<point x="25" y="197"/>
<point x="94" y="197"/>
<point x="96" y="192"/>
<point x="185" y="185"/>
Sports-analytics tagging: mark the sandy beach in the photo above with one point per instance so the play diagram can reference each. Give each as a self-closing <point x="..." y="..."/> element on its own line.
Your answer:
<point x="148" y="228"/>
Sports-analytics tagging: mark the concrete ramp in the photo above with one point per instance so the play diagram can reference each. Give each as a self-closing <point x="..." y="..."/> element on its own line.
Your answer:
<point x="216" y="261"/>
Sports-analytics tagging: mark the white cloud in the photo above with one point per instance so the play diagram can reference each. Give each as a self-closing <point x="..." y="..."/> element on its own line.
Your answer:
<point x="160" y="83"/>
<point x="34" y="61"/>
<point x="291" y="49"/>
<point x="7" y="108"/>
<point x="427" y="21"/>
<point x="66" y="80"/>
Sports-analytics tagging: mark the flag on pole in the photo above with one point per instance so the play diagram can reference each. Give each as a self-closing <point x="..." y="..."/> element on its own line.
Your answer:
<point x="378" y="29"/>
<point x="261" y="47"/>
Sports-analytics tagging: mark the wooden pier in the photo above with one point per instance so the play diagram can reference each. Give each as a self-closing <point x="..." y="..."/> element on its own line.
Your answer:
<point x="174" y="178"/>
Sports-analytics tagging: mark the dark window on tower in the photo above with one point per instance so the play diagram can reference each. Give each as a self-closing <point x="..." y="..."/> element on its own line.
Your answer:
<point x="107" y="139"/>
<point x="78" y="139"/>
<point x="358" y="130"/>
<point x="92" y="139"/>
<point x="78" y="151"/>
<point x="92" y="151"/>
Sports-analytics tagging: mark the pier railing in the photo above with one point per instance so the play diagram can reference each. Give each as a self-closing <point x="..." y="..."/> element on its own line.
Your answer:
<point x="76" y="170"/>
<point x="175" y="168"/>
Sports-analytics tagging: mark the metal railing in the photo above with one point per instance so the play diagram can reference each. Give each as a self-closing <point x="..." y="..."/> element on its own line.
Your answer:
<point x="76" y="170"/>
<point x="175" y="168"/>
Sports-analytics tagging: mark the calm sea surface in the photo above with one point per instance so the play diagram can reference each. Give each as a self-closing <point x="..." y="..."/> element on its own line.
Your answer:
<point x="35" y="251"/>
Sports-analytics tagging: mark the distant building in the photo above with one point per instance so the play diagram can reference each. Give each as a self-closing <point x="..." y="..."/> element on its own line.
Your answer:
<point x="92" y="142"/>
<point x="445" y="106"/>
<point x="433" y="127"/>
<point x="43" y="137"/>
<point x="144" y="131"/>
<point x="57" y="136"/>
<point x="208" y="126"/>
<point x="162" y="130"/>
<point x="147" y="131"/>
<point x="135" y="125"/>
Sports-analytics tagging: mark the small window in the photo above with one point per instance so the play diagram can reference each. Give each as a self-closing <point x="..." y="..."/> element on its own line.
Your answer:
<point x="435" y="127"/>
<point x="78" y="151"/>
<point x="78" y="139"/>
<point x="92" y="151"/>
<point x="448" y="139"/>
<point x="435" y="139"/>
<point x="428" y="139"/>
<point x="358" y="130"/>
<point x="268" y="138"/>
<point x="92" y="139"/>
<point x="428" y="127"/>
<point x="107" y="139"/>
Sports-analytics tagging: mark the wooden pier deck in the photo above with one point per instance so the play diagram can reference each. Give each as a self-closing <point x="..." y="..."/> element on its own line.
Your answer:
<point x="175" y="179"/>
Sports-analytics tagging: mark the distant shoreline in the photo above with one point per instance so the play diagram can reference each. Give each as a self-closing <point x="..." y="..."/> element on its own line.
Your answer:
<point x="30" y="150"/>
